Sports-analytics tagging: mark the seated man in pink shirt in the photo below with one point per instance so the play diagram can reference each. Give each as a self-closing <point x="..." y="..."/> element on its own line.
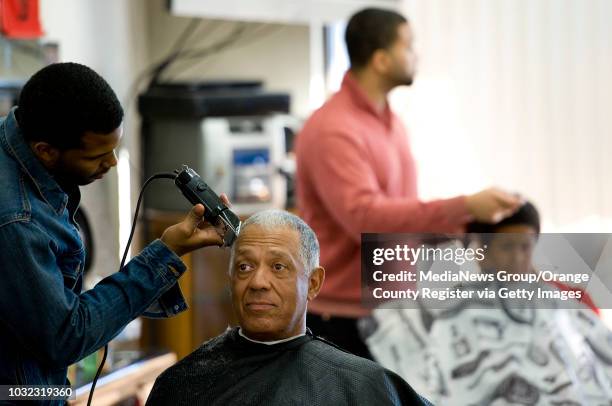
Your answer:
<point x="356" y="173"/>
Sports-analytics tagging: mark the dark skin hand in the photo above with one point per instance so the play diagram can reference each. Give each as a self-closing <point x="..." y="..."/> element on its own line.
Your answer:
<point x="193" y="232"/>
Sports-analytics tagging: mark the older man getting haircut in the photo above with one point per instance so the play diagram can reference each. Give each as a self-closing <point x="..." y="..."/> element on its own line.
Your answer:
<point x="272" y="358"/>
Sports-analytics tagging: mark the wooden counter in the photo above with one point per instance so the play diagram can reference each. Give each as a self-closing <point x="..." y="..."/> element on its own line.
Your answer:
<point x="134" y="380"/>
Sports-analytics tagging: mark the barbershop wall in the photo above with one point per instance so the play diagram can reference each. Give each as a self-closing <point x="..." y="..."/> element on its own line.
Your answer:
<point x="121" y="39"/>
<point x="516" y="93"/>
<point x="277" y="54"/>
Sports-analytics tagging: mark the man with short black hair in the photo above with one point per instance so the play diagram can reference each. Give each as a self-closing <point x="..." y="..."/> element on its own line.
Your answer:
<point x="356" y="173"/>
<point x="272" y="358"/>
<point x="62" y="135"/>
<point x="372" y="30"/>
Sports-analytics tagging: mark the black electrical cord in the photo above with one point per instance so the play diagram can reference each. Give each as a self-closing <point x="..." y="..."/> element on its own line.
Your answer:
<point x="217" y="47"/>
<point x="176" y="53"/>
<point x="235" y="40"/>
<point x="167" y="175"/>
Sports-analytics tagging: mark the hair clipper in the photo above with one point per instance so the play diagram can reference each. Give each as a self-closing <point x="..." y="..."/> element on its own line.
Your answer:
<point x="216" y="213"/>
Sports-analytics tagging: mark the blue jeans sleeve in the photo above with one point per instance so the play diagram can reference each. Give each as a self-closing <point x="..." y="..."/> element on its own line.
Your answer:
<point x="59" y="326"/>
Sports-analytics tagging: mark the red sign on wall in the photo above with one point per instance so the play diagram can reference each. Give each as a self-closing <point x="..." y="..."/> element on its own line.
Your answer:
<point x="19" y="19"/>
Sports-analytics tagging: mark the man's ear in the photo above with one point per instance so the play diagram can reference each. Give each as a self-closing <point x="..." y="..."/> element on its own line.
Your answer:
<point x="45" y="152"/>
<point x="380" y="61"/>
<point x="315" y="282"/>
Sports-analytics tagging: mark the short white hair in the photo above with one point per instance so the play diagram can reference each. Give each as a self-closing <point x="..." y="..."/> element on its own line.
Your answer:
<point x="272" y="219"/>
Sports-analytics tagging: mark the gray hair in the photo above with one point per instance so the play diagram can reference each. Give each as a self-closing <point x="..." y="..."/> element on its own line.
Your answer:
<point x="270" y="219"/>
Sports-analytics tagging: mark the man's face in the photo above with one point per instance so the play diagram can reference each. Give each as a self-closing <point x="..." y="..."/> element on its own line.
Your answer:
<point x="511" y="249"/>
<point x="270" y="287"/>
<point x="402" y="66"/>
<point x="91" y="160"/>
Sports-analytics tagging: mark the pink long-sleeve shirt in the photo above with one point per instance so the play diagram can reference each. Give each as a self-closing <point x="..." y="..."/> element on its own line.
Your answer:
<point x="356" y="174"/>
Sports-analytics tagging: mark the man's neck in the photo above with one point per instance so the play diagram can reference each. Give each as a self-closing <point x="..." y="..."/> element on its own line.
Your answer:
<point x="67" y="185"/>
<point x="269" y="342"/>
<point x="373" y="86"/>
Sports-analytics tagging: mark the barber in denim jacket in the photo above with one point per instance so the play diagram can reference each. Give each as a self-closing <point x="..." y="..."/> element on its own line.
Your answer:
<point x="63" y="134"/>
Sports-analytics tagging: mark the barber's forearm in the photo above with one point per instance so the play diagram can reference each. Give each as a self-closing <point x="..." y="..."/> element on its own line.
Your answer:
<point x="60" y="327"/>
<point x="105" y="310"/>
<point x="380" y="214"/>
<point x="350" y="190"/>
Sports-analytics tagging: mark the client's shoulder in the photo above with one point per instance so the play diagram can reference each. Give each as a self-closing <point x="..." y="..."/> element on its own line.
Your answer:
<point x="203" y="355"/>
<point x="368" y="380"/>
<point x="199" y="369"/>
<point x="333" y="356"/>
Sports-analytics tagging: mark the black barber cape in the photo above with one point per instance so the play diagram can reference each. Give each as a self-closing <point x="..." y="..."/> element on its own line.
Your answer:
<point x="231" y="370"/>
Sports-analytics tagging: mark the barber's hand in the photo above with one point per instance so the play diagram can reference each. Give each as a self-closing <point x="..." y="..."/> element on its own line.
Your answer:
<point x="194" y="232"/>
<point x="492" y="205"/>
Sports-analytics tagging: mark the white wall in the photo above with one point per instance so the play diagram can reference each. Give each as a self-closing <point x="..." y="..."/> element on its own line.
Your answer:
<point x="108" y="36"/>
<point x="516" y="93"/>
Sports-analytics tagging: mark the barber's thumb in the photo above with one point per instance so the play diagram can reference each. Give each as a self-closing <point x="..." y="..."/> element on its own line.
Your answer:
<point x="508" y="201"/>
<point x="195" y="215"/>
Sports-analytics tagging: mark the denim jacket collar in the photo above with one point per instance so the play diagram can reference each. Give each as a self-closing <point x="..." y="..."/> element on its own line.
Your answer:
<point x="16" y="146"/>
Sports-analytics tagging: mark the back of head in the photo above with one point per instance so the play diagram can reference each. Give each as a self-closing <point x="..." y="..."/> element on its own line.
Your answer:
<point x="62" y="101"/>
<point x="527" y="215"/>
<point x="369" y="30"/>
<point x="308" y="244"/>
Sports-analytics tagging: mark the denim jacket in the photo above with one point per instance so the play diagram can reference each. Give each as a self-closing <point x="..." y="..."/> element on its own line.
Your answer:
<point x="46" y="323"/>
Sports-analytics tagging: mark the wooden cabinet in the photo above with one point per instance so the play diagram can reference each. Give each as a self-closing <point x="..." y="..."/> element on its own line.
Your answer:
<point x="206" y="289"/>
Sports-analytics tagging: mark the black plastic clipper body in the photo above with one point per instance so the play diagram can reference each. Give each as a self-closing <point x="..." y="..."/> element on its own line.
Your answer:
<point x="217" y="213"/>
